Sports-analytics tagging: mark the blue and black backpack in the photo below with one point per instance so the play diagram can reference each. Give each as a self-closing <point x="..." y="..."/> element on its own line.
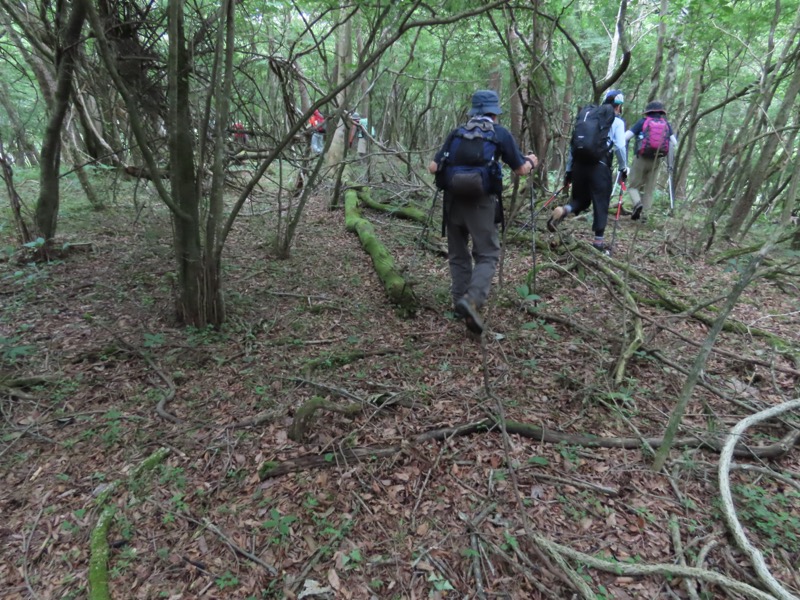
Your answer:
<point x="470" y="168"/>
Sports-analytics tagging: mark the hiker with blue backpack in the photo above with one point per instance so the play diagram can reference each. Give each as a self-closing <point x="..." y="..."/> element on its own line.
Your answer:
<point x="467" y="169"/>
<point x="653" y="141"/>
<point x="598" y="135"/>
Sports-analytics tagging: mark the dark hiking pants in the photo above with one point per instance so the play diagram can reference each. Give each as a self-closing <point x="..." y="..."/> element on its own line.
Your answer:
<point x="592" y="185"/>
<point x="471" y="272"/>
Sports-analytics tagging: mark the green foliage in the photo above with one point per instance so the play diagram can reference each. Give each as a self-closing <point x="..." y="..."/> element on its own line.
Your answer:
<point x="279" y="525"/>
<point x="226" y="580"/>
<point x="773" y="514"/>
<point x="12" y="349"/>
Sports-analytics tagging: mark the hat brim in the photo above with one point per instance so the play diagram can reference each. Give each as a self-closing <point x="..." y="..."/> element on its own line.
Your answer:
<point x="486" y="110"/>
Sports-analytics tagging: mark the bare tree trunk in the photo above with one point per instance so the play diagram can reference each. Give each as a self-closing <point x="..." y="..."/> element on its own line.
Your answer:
<point x="655" y="73"/>
<point x="23" y="144"/>
<point x="344" y="52"/>
<point x="48" y="203"/>
<point x="23" y="233"/>
<point x="758" y="173"/>
<point x="689" y="137"/>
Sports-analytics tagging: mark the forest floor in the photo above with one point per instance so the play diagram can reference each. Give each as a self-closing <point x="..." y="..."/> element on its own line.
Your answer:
<point x="466" y="516"/>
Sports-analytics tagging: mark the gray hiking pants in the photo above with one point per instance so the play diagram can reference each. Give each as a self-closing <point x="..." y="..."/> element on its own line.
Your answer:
<point x="472" y="218"/>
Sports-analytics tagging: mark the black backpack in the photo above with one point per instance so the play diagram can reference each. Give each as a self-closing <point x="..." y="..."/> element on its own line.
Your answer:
<point x="590" y="142"/>
<point x="470" y="168"/>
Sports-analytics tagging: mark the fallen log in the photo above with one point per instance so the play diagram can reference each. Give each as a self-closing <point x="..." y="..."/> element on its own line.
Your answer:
<point x="270" y="469"/>
<point x="397" y="288"/>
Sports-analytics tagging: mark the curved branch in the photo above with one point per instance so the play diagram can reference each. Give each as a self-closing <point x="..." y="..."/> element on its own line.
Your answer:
<point x="729" y="511"/>
<point x="638" y="570"/>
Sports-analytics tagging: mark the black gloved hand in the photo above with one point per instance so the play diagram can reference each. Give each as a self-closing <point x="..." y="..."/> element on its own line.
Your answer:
<point x="567" y="178"/>
<point x="623" y="174"/>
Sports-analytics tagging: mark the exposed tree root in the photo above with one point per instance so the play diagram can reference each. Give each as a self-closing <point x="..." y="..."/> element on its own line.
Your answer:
<point x="345" y="455"/>
<point x="397" y="288"/>
<point x="729" y="510"/>
<point x="641" y="570"/>
<point x="305" y="414"/>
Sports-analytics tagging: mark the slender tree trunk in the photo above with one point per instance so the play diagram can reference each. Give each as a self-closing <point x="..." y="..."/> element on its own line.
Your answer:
<point x="188" y="249"/>
<point x="767" y="154"/>
<point x="48" y="203"/>
<point x="6" y="172"/>
<point x="702" y="356"/>
<point x="20" y="140"/>
<point x="689" y="137"/>
<point x="658" y="59"/>
<point x="344" y="52"/>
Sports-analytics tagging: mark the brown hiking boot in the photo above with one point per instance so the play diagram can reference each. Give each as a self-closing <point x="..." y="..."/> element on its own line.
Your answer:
<point x="467" y="309"/>
<point x="559" y="213"/>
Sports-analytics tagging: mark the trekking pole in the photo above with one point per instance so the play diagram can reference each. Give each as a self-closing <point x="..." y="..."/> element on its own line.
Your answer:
<point x="534" y="214"/>
<point x="553" y="197"/>
<point x="622" y="188"/>
<point x="671" y="197"/>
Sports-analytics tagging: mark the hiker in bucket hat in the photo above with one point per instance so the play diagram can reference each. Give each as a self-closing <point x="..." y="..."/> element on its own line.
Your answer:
<point x="654" y="140"/>
<point x="467" y="169"/>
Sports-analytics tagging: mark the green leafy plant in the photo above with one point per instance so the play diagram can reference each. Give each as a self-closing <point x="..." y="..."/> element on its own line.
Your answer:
<point x="773" y="514"/>
<point x="440" y="584"/>
<point x="352" y="559"/>
<point x="280" y="526"/>
<point x="226" y="580"/>
<point x="153" y="340"/>
<point x="11" y="349"/>
<point x="114" y="429"/>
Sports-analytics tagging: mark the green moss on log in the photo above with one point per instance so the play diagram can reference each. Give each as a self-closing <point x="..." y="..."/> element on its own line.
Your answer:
<point x="397" y="288"/>
<point x="98" y="542"/>
<point x="98" y="561"/>
<point x="404" y="212"/>
<point x="265" y="470"/>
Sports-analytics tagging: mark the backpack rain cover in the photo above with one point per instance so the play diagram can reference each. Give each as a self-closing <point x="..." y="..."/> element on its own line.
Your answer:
<point x="654" y="139"/>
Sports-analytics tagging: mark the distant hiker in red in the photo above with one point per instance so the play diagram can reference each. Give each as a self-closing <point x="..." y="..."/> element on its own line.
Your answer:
<point x="317" y="122"/>
<point x="239" y="134"/>
<point x="653" y="140"/>
<point x="356" y="131"/>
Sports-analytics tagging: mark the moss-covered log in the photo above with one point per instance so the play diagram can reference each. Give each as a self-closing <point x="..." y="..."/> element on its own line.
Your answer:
<point x="98" y="542"/>
<point x="397" y="288"/>
<point x="665" y="298"/>
<point x="404" y="212"/>
<point x="744" y="250"/>
<point x="98" y="559"/>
